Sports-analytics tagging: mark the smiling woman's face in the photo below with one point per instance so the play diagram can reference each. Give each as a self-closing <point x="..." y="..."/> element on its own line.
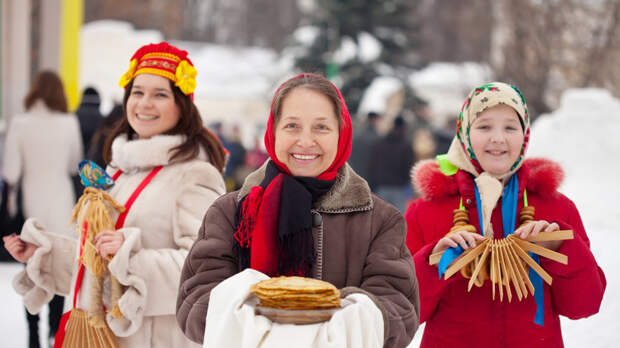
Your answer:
<point x="496" y="137"/>
<point x="151" y="108"/>
<point x="306" y="135"/>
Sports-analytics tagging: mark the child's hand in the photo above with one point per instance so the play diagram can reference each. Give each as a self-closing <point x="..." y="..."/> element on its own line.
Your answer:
<point x="108" y="242"/>
<point x="463" y="238"/>
<point x="533" y="228"/>
<point x="18" y="248"/>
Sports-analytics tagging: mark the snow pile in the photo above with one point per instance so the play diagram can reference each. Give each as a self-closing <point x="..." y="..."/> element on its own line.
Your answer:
<point x="346" y="51"/>
<point x="376" y="95"/>
<point x="445" y="86"/>
<point x="369" y="47"/>
<point x="366" y="49"/>
<point x="105" y="49"/>
<point x="306" y="35"/>
<point x="583" y="135"/>
<point x="224" y="73"/>
<point x="237" y="73"/>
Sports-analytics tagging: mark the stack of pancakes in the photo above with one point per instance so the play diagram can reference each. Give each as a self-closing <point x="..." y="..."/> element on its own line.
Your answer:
<point x="296" y="293"/>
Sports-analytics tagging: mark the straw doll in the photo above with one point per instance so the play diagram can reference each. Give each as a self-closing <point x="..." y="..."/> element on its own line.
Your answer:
<point x="92" y="216"/>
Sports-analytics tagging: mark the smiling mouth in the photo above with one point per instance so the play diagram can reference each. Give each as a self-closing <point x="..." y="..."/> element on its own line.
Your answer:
<point x="496" y="152"/>
<point x="304" y="157"/>
<point x="145" y="117"/>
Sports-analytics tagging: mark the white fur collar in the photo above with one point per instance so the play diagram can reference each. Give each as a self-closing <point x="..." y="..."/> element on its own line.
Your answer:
<point x="129" y="155"/>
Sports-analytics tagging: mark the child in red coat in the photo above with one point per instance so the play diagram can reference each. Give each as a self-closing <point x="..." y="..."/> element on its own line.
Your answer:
<point x="485" y="173"/>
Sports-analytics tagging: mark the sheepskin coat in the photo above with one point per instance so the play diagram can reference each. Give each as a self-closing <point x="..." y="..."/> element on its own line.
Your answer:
<point x="159" y="230"/>
<point x="457" y="318"/>
<point x="359" y="243"/>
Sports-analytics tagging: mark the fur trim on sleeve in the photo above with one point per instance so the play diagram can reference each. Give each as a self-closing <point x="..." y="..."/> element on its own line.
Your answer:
<point x="430" y="182"/>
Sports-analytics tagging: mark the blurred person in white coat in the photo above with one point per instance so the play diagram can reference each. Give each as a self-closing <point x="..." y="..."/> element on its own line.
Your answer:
<point x="41" y="152"/>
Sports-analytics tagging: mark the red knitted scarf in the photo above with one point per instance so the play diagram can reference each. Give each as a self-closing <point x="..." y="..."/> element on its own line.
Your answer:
<point x="274" y="221"/>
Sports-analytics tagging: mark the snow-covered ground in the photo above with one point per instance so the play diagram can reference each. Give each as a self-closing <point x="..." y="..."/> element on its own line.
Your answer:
<point x="13" y="326"/>
<point x="583" y="135"/>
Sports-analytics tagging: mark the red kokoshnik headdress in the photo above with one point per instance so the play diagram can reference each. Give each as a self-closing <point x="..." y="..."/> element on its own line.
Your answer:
<point x="164" y="60"/>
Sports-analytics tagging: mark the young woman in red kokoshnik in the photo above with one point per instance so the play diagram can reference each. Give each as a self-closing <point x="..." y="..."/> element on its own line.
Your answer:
<point x="167" y="171"/>
<point x="304" y="212"/>
<point x="483" y="197"/>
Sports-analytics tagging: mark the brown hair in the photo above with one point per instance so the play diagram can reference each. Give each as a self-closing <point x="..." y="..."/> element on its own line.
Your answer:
<point x="47" y="86"/>
<point x="310" y="81"/>
<point x="190" y="125"/>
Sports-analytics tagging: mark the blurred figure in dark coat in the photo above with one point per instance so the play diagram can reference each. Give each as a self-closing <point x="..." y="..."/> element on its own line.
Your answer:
<point x="363" y="143"/>
<point x="390" y="161"/>
<point x="89" y="116"/>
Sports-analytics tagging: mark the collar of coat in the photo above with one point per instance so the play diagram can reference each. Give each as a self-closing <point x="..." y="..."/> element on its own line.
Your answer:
<point x="348" y="194"/>
<point x="129" y="155"/>
<point x="39" y="108"/>
<point x="538" y="175"/>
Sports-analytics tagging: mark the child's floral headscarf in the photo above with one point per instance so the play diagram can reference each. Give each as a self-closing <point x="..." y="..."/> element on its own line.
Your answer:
<point x="479" y="100"/>
<point x="461" y="154"/>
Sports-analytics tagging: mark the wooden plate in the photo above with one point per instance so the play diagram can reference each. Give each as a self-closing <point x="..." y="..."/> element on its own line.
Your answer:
<point x="298" y="317"/>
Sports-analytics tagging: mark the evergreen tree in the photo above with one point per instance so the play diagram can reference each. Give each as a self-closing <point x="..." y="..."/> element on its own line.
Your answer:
<point x="390" y="22"/>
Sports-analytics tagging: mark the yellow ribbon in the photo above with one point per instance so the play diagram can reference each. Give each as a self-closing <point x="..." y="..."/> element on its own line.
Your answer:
<point x="128" y="76"/>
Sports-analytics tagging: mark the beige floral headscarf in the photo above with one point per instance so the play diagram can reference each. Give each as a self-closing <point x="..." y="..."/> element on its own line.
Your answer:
<point x="461" y="153"/>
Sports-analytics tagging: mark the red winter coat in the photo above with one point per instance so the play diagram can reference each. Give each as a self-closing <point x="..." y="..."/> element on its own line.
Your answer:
<point x="456" y="318"/>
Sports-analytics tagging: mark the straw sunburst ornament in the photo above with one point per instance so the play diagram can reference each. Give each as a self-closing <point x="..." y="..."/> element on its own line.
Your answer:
<point x="505" y="260"/>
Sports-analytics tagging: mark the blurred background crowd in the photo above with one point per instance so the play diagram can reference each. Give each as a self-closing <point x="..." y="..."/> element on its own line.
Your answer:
<point x="403" y="66"/>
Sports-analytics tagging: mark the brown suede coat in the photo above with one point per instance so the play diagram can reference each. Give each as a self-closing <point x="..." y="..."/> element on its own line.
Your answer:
<point x="359" y="242"/>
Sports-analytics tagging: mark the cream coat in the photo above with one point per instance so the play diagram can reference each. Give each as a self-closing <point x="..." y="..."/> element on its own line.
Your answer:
<point x="43" y="149"/>
<point x="160" y="228"/>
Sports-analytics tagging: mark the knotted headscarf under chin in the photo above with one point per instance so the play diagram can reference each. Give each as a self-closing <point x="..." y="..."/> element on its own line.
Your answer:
<point x="344" y="139"/>
<point x="274" y="221"/>
<point x="462" y="155"/>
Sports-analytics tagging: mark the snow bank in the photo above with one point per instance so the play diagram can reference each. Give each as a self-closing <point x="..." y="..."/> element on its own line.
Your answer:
<point x="376" y="95"/>
<point x="583" y="135"/>
<point x="445" y="85"/>
<point x="105" y="49"/>
<point x="224" y="72"/>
